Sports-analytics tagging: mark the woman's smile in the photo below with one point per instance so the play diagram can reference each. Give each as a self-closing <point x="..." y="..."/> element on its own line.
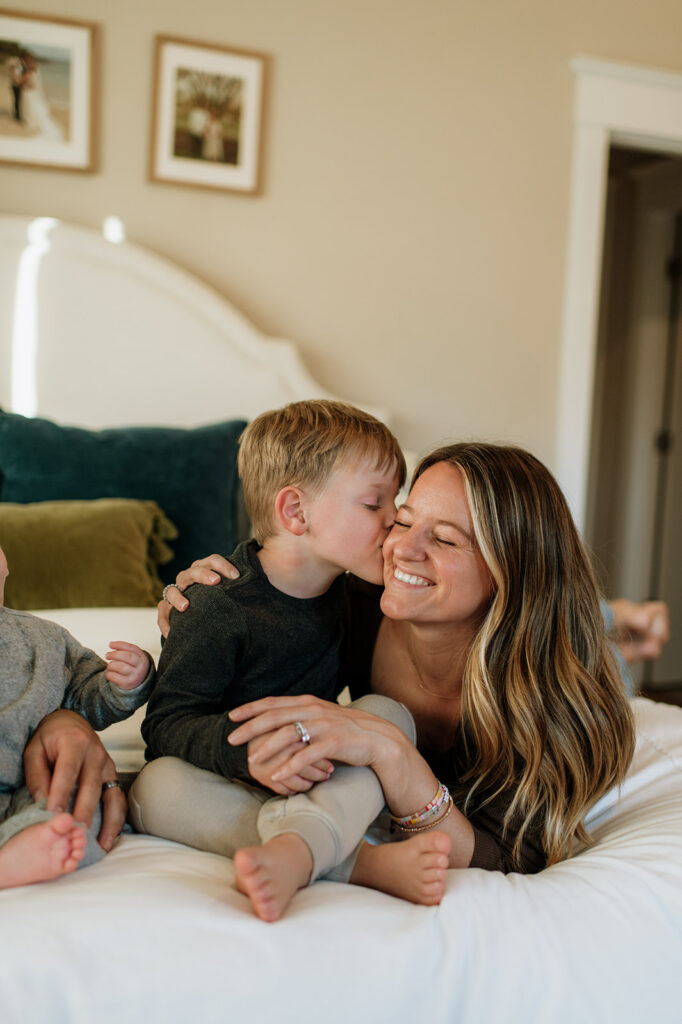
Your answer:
<point x="414" y="581"/>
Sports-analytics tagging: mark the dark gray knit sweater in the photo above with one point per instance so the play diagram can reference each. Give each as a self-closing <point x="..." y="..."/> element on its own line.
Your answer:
<point x="238" y="641"/>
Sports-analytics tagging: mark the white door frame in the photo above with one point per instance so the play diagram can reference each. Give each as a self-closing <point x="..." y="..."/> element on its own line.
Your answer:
<point x="614" y="103"/>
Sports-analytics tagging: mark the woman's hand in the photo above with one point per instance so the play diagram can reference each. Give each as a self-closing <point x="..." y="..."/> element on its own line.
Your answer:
<point x="65" y="752"/>
<point x="337" y="733"/>
<point x="204" y="570"/>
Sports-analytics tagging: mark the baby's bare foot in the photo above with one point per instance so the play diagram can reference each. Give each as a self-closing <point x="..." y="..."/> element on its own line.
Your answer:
<point x="270" y="874"/>
<point x="42" y="852"/>
<point x="413" y="869"/>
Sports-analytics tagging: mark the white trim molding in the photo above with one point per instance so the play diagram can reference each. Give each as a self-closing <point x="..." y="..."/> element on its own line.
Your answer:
<point x="614" y="104"/>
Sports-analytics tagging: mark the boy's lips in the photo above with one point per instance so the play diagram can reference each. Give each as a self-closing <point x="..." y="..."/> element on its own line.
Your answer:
<point x="414" y="581"/>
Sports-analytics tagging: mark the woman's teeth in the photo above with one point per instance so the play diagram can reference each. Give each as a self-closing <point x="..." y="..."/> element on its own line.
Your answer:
<point x="415" y="581"/>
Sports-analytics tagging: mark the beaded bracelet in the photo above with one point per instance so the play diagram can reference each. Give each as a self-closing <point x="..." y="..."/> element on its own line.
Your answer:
<point x="429" y="824"/>
<point x="442" y="795"/>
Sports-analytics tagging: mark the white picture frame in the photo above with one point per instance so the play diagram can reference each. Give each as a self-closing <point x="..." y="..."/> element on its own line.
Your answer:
<point x="48" y="69"/>
<point x="207" y="116"/>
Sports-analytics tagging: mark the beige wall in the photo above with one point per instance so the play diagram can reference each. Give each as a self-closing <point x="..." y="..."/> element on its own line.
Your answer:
<point x="411" y="232"/>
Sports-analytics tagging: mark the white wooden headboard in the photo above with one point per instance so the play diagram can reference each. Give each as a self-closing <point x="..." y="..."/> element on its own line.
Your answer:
<point x="98" y="333"/>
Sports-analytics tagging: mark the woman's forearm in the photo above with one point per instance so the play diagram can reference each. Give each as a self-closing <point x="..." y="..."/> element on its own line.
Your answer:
<point x="406" y="778"/>
<point x="409" y="785"/>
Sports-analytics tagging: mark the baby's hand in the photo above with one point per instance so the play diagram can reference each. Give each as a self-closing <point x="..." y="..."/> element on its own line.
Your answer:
<point x="128" y="665"/>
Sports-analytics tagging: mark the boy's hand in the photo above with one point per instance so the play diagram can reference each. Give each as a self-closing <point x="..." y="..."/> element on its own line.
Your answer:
<point x="128" y="665"/>
<point x="287" y="786"/>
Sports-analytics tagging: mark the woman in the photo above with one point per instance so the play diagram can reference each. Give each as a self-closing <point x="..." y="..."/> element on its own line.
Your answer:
<point x="489" y="630"/>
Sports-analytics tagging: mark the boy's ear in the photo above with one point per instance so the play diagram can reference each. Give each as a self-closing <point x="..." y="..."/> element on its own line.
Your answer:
<point x="290" y="512"/>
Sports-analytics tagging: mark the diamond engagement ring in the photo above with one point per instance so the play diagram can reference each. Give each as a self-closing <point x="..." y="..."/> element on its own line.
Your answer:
<point x="165" y="590"/>
<point x="303" y="734"/>
<point x="111" y="784"/>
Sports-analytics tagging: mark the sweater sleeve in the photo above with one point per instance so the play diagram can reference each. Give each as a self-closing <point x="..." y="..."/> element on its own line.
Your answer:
<point x="186" y="715"/>
<point x="89" y="692"/>
<point x="494" y="845"/>
<point x="491" y="855"/>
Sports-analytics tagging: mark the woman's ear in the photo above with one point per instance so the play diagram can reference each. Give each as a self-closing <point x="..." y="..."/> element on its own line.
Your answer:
<point x="290" y="512"/>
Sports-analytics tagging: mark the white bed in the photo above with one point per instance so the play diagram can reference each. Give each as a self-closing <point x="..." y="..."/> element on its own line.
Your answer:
<point x="156" y="932"/>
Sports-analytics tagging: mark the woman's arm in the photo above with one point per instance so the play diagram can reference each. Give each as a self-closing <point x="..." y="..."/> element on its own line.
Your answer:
<point x="64" y="753"/>
<point x="352" y="737"/>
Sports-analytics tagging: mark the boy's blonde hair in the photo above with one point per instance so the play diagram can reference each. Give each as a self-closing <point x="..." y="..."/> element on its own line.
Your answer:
<point x="299" y="446"/>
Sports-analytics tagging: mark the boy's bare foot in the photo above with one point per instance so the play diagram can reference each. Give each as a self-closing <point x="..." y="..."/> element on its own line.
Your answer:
<point x="270" y="874"/>
<point x="42" y="852"/>
<point x="413" y="869"/>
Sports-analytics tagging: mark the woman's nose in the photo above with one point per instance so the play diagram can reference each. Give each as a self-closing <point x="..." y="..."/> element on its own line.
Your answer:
<point x="409" y="545"/>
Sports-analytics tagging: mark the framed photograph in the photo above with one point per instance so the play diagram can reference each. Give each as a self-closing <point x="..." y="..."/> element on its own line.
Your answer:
<point x="207" y="115"/>
<point x="47" y="91"/>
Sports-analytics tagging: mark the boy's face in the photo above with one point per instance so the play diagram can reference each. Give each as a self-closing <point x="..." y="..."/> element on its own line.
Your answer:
<point x="349" y="520"/>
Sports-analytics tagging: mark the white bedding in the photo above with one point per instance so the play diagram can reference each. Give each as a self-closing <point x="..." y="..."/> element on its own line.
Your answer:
<point x="157" y="932"/>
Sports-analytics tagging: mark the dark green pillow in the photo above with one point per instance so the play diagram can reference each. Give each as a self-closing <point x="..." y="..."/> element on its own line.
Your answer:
<point x="83" y="554"/>
<point x="191" y="474"/>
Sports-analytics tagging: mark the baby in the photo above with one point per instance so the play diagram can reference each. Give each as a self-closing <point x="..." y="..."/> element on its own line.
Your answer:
<point x="42" y="668"/>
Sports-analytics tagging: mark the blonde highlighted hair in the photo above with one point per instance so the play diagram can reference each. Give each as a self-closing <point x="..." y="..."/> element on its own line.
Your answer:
<point x="544" y="709"/>
<point x="299" y="445"/>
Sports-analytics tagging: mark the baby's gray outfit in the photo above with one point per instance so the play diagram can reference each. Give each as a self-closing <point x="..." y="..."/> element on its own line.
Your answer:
<point x="42" y="668"/>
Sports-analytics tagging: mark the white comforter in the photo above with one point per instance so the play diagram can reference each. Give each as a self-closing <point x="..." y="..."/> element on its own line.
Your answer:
<point x="157" y="933"/>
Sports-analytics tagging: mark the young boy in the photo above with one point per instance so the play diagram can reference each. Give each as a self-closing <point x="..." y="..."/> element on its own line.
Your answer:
<point x="43" y="668"/>
<point x="320" y="480"/>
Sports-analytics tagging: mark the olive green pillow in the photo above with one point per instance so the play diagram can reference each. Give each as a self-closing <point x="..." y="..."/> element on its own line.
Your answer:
<point x="81" y="554"/>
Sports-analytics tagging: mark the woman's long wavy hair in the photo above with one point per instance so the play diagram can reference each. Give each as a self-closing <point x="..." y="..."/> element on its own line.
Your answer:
<point x="544" y="710"/>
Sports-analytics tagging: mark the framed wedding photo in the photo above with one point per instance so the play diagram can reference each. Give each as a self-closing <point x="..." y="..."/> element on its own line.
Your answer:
<point x="47" y="91"/>
<point x="207" y="116"/>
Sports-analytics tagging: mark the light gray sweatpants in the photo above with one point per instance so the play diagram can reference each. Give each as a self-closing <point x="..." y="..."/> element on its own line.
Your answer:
<point x="176" y="800"/>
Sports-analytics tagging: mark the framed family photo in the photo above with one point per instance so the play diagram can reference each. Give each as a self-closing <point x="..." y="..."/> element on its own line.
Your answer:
<point x="207" y="115"/>
<point x="47" y="91"/>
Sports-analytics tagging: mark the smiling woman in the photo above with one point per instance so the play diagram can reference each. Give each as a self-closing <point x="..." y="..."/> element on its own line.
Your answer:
<point x="433" y="568"/>
<point x="508" y="621"/>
